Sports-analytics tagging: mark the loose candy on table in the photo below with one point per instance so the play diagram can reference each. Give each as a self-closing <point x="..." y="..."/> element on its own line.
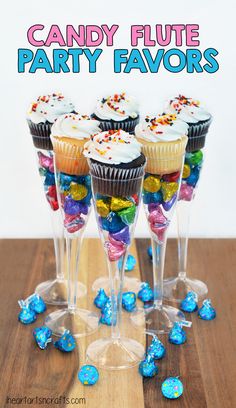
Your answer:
<point x="168" y="190"/>
<point x="78" y="191"/>
<point x="122" y="235"/>
<point x="149" y="252"/>
<point x="186" y="192"/>
<point x="173" y="177"/>
<point x="37" y="303"/>
<point x="26" y="315"/>
<point x="120" y="203"/>
<point x="128" y="215"/>
<point x="42" y="336"/>
<point x="88" y="375"/>
<point x="150" y="198"/>
<point x="145" y="293"/>
<point x="177" y="334"/>
<point x="194" y="158"/>
<point x="156" y="349"/>
<point x="130" y="263"/>
<point x="115" y="249"/>
<point x="107" y="317"/>
<point x="103" y="207"/>
<point x="189" y="303"/>
<point x="147" y="367"/>
<point x="129" y="301"/>
<point x="66" y="342"/>
<point x="169" y="204"/>
<point x="172" y="388"/>
<point x="207" y="312"/>
<point x="112" y="223"/>
<point x="152" y="184"/>
<point x="101" y="299"/>
<point x="186" y="171"/>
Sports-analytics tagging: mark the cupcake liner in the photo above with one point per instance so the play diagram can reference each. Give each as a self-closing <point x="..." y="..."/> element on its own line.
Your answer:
<point x="127" y="125"/>
<point x="197" y="135"/>
<point x="163" y="157"/>
<point x="41" y="134"/>
<point x="113" y="181"/>
<point x="69" y="158"/>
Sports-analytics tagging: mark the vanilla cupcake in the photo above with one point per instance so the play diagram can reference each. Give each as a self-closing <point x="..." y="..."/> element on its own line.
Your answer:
<point x="68" y="135"/>
<point x="115" y="156"/>
<point x="163" y="139"/>
<point x="42" y="114"/>
<point x="118" y="111"/>
<point x="195" y="115"/>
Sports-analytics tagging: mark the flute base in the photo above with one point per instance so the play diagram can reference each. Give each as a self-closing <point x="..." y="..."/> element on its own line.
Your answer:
<point x="156" y="320"/>
<point x="80" y="322"/>
<point x="115" y="354"/>
<point x="129" y="284"/>
<point x="54" y="291"/>
<point x="175" y="289"/>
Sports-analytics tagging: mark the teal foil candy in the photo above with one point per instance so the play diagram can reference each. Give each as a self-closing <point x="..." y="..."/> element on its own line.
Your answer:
<point x="101" y="299"/>
<point x="37" y="303"/>
<point x="207" y="312"/>
<point x="147" y="367"/>
<point x="189" y="303"/>
<point x="146" y="293"/>
<point x="88" y="375"/>
<point x="172" y="388"/>
<point x="177" y="335"/>
<point x="26" y="315"/>
<point x="66" y="342"/>
<point x="42" y="336"/>
<point x="156" y="349"/>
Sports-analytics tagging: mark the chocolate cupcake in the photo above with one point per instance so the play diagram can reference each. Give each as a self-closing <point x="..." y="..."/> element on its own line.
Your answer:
<point x="118" y="111"/>
<point x="115" y="157"/>
<point x="42" y="114"/>
<point x="196" y="116"/>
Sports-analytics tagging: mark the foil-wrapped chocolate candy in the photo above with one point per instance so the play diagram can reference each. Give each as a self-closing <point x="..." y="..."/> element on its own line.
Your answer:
<point x="101" y="299"/>
<point x="207" y="312"/>
<point x="147" y="367"/>
<point x="189" y="303"/>
<point x="66" y="342"/>
<point x="156" y="349"/>
<point x="129" y="301"/>
<point x="88" y="375"/>
<point x="42" y="336"/>
<point x="172" y="388"/>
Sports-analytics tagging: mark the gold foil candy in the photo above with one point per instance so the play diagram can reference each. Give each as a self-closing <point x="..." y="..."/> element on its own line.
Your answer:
<point x="152" y="184"/>
<point x="103" y="208"/>
<point x="119" y="203"/>
<point x="168" y="190"/>
<point x="78" y="191"/>
<point x="186" y="171"/>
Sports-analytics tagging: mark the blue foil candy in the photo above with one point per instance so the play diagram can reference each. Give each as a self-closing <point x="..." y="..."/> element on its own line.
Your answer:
<point x="66" y="342"/>
<point x="147" y="367"/>
<point x="177" y="335"/>
<point x="207" y="312"/>
<point x="106" y="314"/>
<point x="149" y="198"/>
<point x="88" y="375"/>
<point x="101" y="299"/>
<point x="26" y="315"/>
<point x="146" y="293"/>
<point x="49" y="179"/>
<point x="130" y="263"/>
<point x="42" y="336"/>
<point x="37" y="303"/>
<point x="156" y="349"/>
<point x="172" y="388"/>
<point x="149" y="251"/>
<point x="129" y="301"/>
<point x="112" y="223"/>
<point x="189" y="303"/>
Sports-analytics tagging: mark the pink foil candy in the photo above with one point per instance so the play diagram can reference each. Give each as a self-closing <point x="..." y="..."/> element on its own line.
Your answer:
<point x="73" y="223"/>
<point x="46" y="162"/>
<point x="186" y="192"/>
<point x="157" y="217"/>
<point x="116" y="249"/>
<point x="159" y="231"/>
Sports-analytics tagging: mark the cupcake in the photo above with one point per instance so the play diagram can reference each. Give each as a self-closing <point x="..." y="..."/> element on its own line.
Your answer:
<point x="68" y="135"/>
<point x="117" y="112"/>
<point x="42" y="114"/>
<point x="115" y="155"/>
<point x="163" y="139"/>
<point x="196" y="116"/>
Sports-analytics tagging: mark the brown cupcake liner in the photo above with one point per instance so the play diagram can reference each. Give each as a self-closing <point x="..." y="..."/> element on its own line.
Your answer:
<point x="40" y="133"/>
<point x="164" y="158"/>
<point x="69" y="158"/>
<point x="197" y="135"/>
<point x="126" y="125"/>
<point x="111" y="181"/>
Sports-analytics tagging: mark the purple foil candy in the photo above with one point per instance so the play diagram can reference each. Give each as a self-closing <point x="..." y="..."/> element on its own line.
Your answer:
<point x="167" y="205"/>
<point x="122" y="235"/>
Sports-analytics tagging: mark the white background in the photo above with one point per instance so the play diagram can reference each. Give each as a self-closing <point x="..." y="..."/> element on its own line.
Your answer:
<point x="23" y="209"/>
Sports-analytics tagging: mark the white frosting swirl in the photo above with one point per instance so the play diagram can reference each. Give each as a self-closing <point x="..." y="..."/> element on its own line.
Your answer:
<point x="117" y="107"/>
<point x="47" y="108"/>
<point x="162" y="128"/>
<point x="113" y="147"/>
<point x="187" y="109"/>
<point x="75" y="126"/>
